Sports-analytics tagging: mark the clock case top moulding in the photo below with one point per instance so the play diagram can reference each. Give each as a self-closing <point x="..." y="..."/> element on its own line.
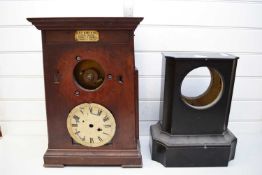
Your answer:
<point x="115" y="53"/>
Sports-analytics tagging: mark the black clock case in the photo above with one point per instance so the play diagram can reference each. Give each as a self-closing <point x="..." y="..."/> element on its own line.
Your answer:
<point x="189" y="137"/>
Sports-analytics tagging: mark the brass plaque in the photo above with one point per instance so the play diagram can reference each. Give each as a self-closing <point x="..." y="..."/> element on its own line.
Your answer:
<point x="87" y="36"/>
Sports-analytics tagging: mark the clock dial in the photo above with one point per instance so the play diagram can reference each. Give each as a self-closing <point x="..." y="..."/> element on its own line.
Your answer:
<point x="91" y="124"/>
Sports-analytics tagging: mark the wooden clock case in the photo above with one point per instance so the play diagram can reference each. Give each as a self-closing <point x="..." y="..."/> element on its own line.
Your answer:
<point x="114" y="51"/>
<point x="189" y="135"/>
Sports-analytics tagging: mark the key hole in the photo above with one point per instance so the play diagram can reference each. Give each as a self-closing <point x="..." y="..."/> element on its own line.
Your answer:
<point x="120" y="79"/>
<point x="57" y="77"/>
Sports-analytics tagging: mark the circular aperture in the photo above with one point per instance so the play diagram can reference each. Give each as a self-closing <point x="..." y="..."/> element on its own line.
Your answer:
<point x="202" y="92"/>
<point x="89" y="74"/>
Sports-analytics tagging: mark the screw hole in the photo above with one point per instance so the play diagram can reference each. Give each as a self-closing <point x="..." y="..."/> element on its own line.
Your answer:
<point x="77" y="93"/>
<point x="78" y="58"/>
<point x="91" y="125"/>
<point x="109" y="76"/>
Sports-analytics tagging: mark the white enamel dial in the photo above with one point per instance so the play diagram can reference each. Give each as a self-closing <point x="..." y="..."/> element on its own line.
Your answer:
<point x="91" y="124"/>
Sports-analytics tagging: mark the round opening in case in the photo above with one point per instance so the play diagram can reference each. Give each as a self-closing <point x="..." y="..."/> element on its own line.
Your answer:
<point x="89" y="74"/>
<point x="202" y="92"/>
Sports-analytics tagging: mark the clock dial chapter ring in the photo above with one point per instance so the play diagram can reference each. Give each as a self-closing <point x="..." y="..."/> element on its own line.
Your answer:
<point x="91" y="125"/>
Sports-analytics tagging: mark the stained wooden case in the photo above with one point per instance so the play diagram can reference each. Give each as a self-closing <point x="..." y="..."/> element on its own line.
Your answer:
<point x="114" y="51"/>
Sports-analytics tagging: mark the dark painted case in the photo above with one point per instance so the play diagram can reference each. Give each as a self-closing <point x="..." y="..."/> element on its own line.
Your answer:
<point x="188" y="136"/>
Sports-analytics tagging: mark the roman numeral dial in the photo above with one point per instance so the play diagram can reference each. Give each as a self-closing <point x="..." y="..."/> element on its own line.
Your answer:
<point x="91" y="124"/>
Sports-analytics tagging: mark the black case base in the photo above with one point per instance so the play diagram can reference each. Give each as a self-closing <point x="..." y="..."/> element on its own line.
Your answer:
<point x="192" y="150"/>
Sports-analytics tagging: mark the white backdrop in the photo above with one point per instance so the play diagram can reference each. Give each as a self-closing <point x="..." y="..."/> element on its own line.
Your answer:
<point x="169" y="25"/>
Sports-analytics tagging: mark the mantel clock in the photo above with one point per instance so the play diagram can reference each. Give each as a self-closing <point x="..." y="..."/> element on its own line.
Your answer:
<point x="91" y="88"/>
<point x="192" y="131"/>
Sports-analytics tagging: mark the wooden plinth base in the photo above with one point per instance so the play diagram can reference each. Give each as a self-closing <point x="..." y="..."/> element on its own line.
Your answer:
<point x="64" y="157"/>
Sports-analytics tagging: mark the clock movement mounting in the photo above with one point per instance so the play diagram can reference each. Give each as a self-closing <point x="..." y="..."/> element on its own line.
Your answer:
<point x="89" y="74"/>
<point x="192" y="131"/>
<point x="91" y="88"/>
